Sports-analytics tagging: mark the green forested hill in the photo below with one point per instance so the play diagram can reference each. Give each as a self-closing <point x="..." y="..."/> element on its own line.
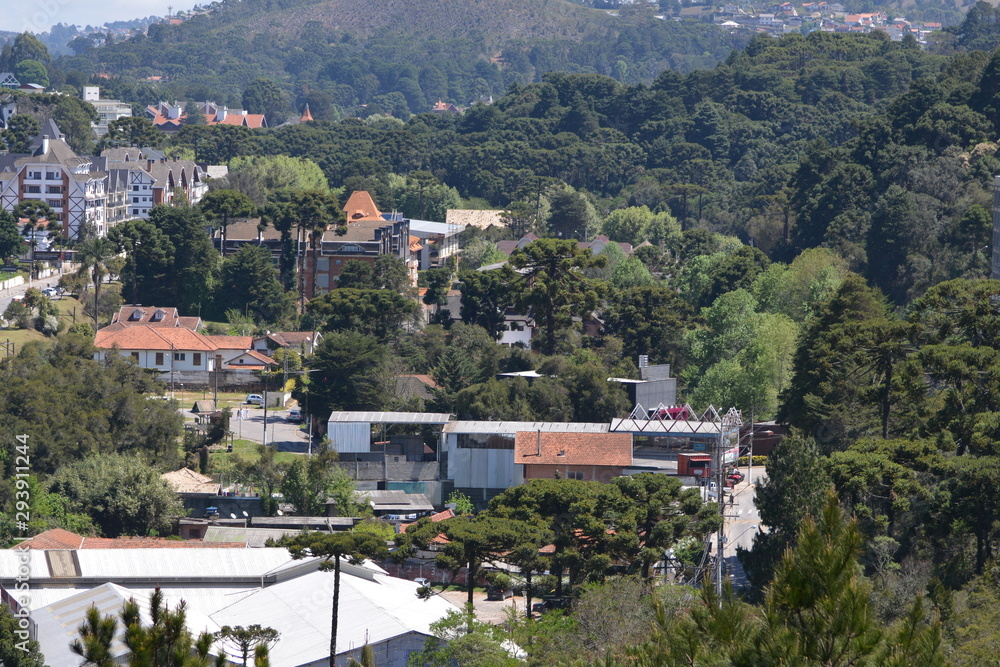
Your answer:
<point x="877" y="150"/>
<point x="403" y="57"/>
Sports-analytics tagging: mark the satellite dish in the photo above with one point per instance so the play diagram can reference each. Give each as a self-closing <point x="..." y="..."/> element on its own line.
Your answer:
<point x="232" y="516"/>
<point x="245" y="513"/>
<point x="280" y="513"/>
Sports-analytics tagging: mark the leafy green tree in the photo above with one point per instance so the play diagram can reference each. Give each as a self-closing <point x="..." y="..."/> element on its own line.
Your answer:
<point x="265" y="474"/>
<point x="97" y="634"/>
<point x="550" y="286"/>
<point x="149" y="258"/>
<point x="122" y="494"/>
<point x="221" y="206"/>
<point x="260" y="177"/>
<point x="472" y="541"/>
<point x="664" y="513"/>
<point x="193" y="268"/>
<point x="32" y="71"/>
<point x="266" y="97"/>
<point x="346" y="366"/>
<point x="486" y="296"/>
<point x="27" y="46"/>
<point x="357" y="274"/>
<point x="12" y="651"/>
<point x="11" y="242"/>
<point x="133" y="131"/>
<point x="250" y="282"/>
<point x="166" y="641"/>
<point x="76" y="118"/>
<point x="460" y="639"/>
<point x="332" y="548"/>
<point x="94" y="255"/>
<point x="21" y="129"/>
<point x="246" y="640"/>
<point x="794" y="487"/>
<point x="379" y="313"/>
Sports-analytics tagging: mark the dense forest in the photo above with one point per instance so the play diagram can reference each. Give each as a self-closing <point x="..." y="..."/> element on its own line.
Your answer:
<point x="402" y="58"/>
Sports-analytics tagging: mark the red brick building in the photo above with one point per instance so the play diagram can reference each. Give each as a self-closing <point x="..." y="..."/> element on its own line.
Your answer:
<point x="597" y="457"/>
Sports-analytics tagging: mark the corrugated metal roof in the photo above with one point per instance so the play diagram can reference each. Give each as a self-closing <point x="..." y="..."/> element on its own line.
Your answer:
<point x="252" y="537"/>
<point x="391" y="417"/>
<point x="125" y="565"/>
<point x="514" y="427"/>
<point x="371" y="610"/>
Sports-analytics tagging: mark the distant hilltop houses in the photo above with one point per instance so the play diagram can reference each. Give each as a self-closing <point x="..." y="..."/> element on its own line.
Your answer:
<point x="789" y="17"/>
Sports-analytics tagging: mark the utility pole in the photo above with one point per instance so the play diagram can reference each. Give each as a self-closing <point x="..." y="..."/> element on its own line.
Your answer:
<point x="720" y="497"/>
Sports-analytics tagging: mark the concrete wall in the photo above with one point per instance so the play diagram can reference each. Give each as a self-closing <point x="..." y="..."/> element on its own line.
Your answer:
<point x="404" y="471"/>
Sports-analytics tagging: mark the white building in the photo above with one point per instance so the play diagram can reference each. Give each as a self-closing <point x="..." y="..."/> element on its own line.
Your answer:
<point x="225" y="586"/>
<point x="108" y="111"/>
<point x="72" y="185"/>
<point x="479" y="455"/>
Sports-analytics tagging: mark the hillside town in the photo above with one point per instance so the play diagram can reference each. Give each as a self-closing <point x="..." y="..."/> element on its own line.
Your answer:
<point x="441" y="366"/>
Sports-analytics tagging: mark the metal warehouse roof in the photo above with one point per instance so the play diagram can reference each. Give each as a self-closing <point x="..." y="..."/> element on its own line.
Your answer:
<point x="372" y="609"/>
<point x="391" y="417"/>
<point x="125" y="566"/>
<point x="513" y="427"/>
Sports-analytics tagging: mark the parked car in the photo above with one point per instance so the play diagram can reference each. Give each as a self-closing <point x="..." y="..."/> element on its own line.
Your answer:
<point x="736" y="476"/>
<point x="295" y="415"/>
<point x="499" y="593"/>
<point x="255" y="399"/>
<point x="423" y="582"/>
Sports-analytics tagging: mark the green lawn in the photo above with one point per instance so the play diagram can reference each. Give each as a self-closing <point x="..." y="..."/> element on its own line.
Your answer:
<point x="221" y="461"/>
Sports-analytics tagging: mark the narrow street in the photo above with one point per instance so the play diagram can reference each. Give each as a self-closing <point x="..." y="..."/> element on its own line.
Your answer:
<point x="742" y="523"/>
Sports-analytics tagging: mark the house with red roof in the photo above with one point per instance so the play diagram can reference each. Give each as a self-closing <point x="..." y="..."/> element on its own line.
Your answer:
<point x="590" y="457"/>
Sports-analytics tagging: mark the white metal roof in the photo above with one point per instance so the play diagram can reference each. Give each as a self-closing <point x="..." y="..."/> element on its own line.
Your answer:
<point x="371" y="610"/>
<point x="126" y="566"/>
<point x="391" y="417"/>
<point x="431" y="227"/>
<point x="490" y="427"/>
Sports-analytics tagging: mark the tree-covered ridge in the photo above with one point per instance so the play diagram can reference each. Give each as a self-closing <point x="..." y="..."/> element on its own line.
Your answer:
<point x="402" y="58"/>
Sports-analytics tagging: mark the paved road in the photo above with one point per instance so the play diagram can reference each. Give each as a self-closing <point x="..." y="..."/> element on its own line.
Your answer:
<point x="7" y="295"/>
<point x="284" y="435"/>
<point x="742" y="523"/>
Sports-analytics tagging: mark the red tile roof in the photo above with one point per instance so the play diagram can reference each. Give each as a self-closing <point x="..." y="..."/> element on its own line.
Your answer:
<point x="575" y="449"/>
<point x="360" y="206"/>
<point x="59" y="539"/>
<point x="440" y="516"/>
<point x="145" y="337"/>
<point x="232" y="342"/>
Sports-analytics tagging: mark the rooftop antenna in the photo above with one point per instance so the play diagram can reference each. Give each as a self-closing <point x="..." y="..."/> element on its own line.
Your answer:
<point x="170" y="10"/>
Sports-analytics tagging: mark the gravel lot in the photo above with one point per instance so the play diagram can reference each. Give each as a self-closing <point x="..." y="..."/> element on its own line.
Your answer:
<point x="486" y="611"/>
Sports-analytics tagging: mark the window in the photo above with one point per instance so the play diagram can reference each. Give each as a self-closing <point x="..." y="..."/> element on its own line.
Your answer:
<point x="55" y="203"/>
<point x="53" y="189"/>
<point x="135" y="200"/>
<point x="485" y="441"/>
<point x="33" y="189"/>
<point x="180" y="356"/>
<point x="53" y="175"/>
<point x="196" y="358"/>
<point x="575" y="475"/>
<point x="135" y="211"/>
<point x="159" y="358"/>
<point x="35" y="174"/>
<point x="135" y="357"/>
<point x="135" y="188"/>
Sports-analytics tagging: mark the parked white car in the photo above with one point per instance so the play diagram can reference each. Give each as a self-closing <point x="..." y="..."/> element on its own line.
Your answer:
<point x="255" y="399"/>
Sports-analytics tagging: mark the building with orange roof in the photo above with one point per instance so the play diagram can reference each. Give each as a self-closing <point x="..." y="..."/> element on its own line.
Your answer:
<point x="591" y="457"/>
<point x="360" y="207"/>
<point x="58" y="539"/>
